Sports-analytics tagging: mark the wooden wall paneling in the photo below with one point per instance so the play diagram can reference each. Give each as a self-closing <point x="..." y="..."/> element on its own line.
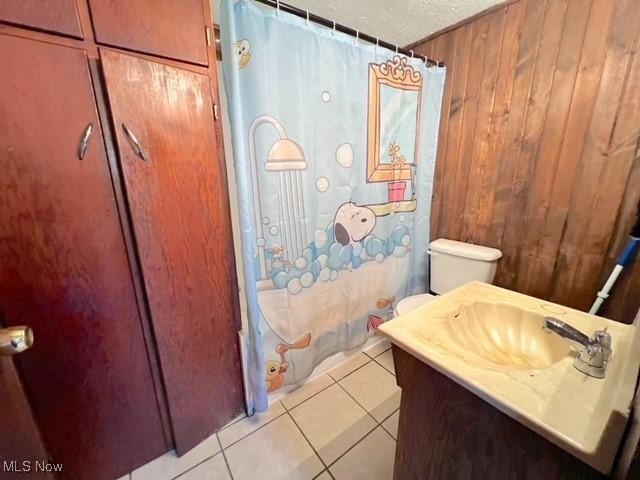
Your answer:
<point x="579" y="250"/>
<point x="587" y="80"/>
<point x="620" y="158"/>
<point x="59" y="16"/>
<point x="623" y="302"/>
<point x="545" y="181"/>
<point x="455" y="209"/>
<point x="522" y="81"/>
<point x="459" y="81"/>
<point x="534" y="122"/>
<point x="514" y="17"/>
<point x="177" y="202"/>
<point x="554" y="125"/>
<point x="444" y="49"/>
<point x="484" y="117"/>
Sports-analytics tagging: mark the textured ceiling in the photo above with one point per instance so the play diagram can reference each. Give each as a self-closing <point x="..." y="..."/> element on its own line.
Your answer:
<point x="400" y="21"/>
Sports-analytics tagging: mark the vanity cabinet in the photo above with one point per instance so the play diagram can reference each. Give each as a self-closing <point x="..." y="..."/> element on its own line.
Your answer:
<point x="445" y="431"/>
<point x="115" y="232"/>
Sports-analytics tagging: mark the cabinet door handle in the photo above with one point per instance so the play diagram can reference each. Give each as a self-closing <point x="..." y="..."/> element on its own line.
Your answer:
<point x="135" y="143"/>
<point x="84" y="142"/>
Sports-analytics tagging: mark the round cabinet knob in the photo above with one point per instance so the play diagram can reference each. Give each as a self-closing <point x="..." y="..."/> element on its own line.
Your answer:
<point x="15" y="339"/>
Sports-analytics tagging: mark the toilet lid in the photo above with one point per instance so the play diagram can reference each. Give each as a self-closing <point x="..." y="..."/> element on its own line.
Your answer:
<point x="407" y="304"/>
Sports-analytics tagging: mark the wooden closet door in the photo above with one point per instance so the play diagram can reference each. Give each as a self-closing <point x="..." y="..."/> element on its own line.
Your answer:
<point x="59" y="16"/>
<point x="64" y="269"/>
<point x="177" y="192"/>
<point x="167" y="28"/>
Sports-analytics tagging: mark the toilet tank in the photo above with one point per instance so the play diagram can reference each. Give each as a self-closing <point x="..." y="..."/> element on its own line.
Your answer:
<point x="455" y="263"/>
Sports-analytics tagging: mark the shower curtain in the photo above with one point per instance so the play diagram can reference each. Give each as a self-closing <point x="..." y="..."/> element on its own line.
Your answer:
<point x="334" y="145"/>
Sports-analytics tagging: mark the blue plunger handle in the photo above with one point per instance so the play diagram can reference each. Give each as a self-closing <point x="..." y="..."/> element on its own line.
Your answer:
<point x="630" y="252"/>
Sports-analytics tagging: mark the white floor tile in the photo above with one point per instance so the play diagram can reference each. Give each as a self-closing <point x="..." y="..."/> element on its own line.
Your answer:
<point x="375" y="389"/>
<point x="386" y="360"/>
<point x="332" y="422"/>
<point x="371" y="459"/>
<point x="244" y="427"/>
<point x="213" y="469"/>
<point x="349" y="366"/>
<point x="391" y="424"/>
<point x="276" y="451"/>
<point x="307" y="390"/>
<point x="378" y="348"/>
<point x="170" y="465"/>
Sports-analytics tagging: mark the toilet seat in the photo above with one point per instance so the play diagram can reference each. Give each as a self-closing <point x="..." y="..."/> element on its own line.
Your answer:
<point x="410" y="303"/>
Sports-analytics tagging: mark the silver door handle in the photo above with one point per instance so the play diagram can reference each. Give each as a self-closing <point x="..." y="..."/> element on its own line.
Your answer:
<point x="135" y="143"/>
<point x="84" y="143"/>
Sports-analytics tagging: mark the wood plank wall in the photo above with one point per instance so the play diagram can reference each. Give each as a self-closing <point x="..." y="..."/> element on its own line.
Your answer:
<point x="538" y="149"/>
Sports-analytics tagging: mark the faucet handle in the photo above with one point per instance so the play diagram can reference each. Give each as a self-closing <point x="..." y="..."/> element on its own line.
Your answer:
<point x="603" y="338"/>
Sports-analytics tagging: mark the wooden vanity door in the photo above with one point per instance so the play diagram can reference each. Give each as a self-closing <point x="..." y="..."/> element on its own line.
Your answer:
<point x="166" y="28"/>
<point x="64" y="269"/>
<point x="177" y="193"/>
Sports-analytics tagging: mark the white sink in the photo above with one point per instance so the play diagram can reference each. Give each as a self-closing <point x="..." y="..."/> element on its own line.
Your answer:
<point x="491" y="341"/>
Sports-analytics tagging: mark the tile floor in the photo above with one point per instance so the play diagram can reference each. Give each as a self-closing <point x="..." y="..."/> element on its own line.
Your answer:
<point x="341" y="425"/>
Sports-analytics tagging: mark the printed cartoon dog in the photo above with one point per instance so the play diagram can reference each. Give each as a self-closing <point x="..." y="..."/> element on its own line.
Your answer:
<point x="352" y="223"/>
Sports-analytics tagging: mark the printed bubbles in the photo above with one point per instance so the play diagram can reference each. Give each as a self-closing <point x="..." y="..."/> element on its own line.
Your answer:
<point x="322" y="184"/>
<point x="294" y="286"/>
<point x="326" y="96"/>
<point x="307" y="279"/>
<point x="344" y="155"/>
<point x="274" y="230"/>
<point x="320" y="238"/>
<point x="323" y="258"/>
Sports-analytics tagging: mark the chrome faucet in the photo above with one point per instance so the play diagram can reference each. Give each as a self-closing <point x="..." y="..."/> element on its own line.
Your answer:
<point x="593" y="353"/>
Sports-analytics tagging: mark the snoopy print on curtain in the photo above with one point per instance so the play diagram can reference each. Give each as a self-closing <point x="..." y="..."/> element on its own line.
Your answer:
<point x="334" y="150"/>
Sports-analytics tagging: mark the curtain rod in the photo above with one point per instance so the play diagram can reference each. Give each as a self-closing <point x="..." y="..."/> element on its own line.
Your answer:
<point x="285" y="7"/>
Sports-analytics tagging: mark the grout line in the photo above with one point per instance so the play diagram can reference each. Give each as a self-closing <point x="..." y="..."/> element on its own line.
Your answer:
<point x="226" y="462"/>
<point x="379" y="363"/>
<point x="233" y="422"/>
<point x="387" y="418"/>
<point x="192" y="467"/>
<point x="369" y="360"/>
<point x="359" y="404"/>
<point x="258" y="428"/>
<point x="351" y="448"/>
<point x="333" y="382"/>
<point x="309" y="442"/>
<point x="372" y="357"/>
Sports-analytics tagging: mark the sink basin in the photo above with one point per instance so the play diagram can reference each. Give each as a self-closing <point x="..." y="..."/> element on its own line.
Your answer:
<point x="490" y="341"/>
<point x="505" y="335"/>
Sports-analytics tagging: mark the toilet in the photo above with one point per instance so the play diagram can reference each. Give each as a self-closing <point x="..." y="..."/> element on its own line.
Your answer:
<point x="453" y="264"/>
